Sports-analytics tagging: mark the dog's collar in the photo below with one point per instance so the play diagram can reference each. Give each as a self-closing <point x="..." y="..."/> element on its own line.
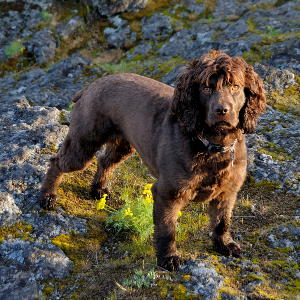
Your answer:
<point x="218" y="148"/>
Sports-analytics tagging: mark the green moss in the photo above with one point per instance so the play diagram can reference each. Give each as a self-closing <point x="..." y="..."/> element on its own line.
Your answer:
<point x="18" y="230"/>
<point x="271" y="145"/>
<point x="48" y="290"/>
<point x="185" y="278"/>
<point x="268" y="184"/>
<point x="289" y="101"/>
<point x="255" y="277"/>
<point x="284" y="250"/>
<point x="179" y="292"/>
<point x="138" y="57"/>
<point x="251" y="25"/>
<point x="168" y="66"/>
<point x="277" y="153"/>
<point x="293" y="286"/>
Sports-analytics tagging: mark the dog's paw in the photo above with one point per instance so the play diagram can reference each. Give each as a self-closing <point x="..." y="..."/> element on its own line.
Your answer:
<point x="48" y="201"/>
<point x="234" y="249"/>
<point x="231" y="248"/>
<point x="97" y="193"/>
<point x="170" y="263"/>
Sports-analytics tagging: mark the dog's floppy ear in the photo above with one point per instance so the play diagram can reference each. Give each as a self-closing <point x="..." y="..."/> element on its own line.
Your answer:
<point x="185" y="102"/>
<point x="255" y="100"/>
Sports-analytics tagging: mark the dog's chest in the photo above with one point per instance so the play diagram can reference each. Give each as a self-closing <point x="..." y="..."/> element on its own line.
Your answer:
<point x="211" y="176"/>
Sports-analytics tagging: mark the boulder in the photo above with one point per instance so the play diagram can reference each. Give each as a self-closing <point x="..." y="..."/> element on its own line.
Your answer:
<point x="65" y="30"/>
<point x="42" y="45"/>
<point x="111" y="7"/>
<point x="157" y="26"/>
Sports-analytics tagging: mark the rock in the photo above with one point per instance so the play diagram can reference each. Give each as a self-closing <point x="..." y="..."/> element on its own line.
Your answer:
<point x="205" y="280"/>
<point x="57" y="86"/>
<point x="195" y="7"/>
<point x="157" y="26"/>
<point x="16" y="26"/>
<point x="22" y="161"/>
<point x="29" y="263"/>
<point x="109" y="8"/>
<point x="140" y="50"/>
<point x="8" y="209"/>
<point x="235" y="30"/>
<point x="42" y="45"/>
<point x="43" y="4"/>
<point x="118" y="37"/>
<point x="227" y="8"/>
<point x="65" y="30"/>
<point x="275" y="79"/>
<point x="171" y="77"/>
<point x="289" y="59"/>
<point x="53" y="224"/>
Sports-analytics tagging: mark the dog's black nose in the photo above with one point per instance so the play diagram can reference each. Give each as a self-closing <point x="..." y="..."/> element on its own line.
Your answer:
<point x="221" y="109"/>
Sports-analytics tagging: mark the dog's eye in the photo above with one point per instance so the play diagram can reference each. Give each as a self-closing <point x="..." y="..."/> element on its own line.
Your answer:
<point x="235" y="87"/>
<point x="206" y="89"/>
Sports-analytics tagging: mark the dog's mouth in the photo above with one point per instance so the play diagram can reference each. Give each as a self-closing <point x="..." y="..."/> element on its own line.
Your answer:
<point x="221" y="125"/>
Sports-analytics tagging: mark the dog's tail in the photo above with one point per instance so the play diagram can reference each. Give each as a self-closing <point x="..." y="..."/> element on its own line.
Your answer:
<point x="79" y="94"/>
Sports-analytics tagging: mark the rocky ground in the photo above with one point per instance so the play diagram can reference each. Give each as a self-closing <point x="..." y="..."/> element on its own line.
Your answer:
<point x="61" y="49"/>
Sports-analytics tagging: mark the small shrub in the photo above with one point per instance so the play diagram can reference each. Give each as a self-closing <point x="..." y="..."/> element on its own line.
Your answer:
<point x="46" y="16"/>
<point x="14" y="49"/>
<point x="136" y="215"/>
<point x="272" y="31"/>
<point x="141" y="278"/>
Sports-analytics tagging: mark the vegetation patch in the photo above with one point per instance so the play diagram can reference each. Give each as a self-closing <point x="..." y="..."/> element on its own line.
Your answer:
<point x="17" y="230"/>
<point x="14" y="49"/>
<point x="289" y="101"/>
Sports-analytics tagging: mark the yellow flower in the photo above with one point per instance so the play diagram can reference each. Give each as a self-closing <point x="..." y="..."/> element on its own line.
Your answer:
<point x="128" y="212"/>
<point x="148" y="186"/>
<point x="179" y="213"/>
<point x="101" y="202"/>
<point x="147" y="192"/>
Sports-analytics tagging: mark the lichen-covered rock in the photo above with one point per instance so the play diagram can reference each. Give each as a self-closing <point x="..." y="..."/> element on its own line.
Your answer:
<point x="204" y="281"/>
<point x="119" y="36"/>
<point x="42" y="45"/>
<point x="65" y="30"/>
<point x="29" y="263"/>
<point x="288" y="59"/>
<point x="157" y="26"/>
<point x="43" y="4"/>
<point x="8" y="209"/>
<point x="56" y="87"/>
<point x="275" y="79"/>
<point x="16" y="26"/>
<point x="225" y="9"/>
<point x="109" y="8"/>
<point x="139" y="50"/>
<point x="195" y="7"/>
<point x="235" y="30"/>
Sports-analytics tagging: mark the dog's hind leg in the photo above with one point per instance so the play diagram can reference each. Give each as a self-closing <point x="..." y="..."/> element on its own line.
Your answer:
<point x="75" y="154"/>
<point x="114" y="153"/>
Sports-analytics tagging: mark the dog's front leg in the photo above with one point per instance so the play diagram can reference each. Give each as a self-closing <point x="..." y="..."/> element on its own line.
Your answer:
<point x="165" y="214"/>
<point x="220" y="214"/>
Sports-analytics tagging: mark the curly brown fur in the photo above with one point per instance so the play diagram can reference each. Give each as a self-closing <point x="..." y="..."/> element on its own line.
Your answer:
<point x="185" y="136"/>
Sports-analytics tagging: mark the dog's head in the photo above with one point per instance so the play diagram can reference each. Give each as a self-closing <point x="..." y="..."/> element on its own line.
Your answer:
<point x="218" y="91"/>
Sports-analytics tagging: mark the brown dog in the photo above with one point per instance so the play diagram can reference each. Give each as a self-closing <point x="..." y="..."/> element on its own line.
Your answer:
<point x="191" y="138"/>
